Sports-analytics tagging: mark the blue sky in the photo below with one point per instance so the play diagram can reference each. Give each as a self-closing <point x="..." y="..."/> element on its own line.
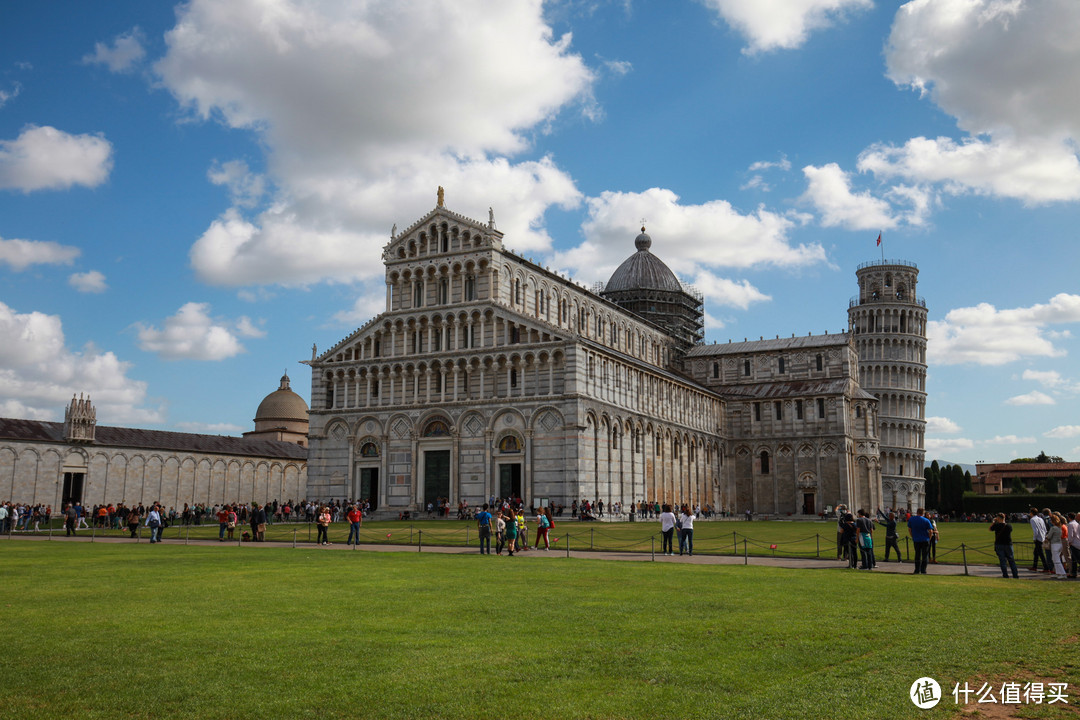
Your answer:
<point x="192" y="196"/>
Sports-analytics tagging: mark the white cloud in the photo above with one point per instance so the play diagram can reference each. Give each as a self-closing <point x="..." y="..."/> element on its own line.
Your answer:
<point x="44" y="158"/>
<point x="998" y="66"/>
<point x="1032" y="398"/>
<point x="939" y="447"/>
<point x="693" y="240"/>
<point x="941" y="425"/>
<point x="1009" y="72"/>
<point x="6" y="95"/>
<point x="1032" y="171"/>
<point x="618" y="67"/>
<point x="722" y="291"/>
<point x="784" y="24"/>
<point x="245" y="187"/>
<point x="362" y="118"/>
<point x="88" y="282"/>
<point x="246" y="328"/>
<point x="21" y="254"/>
<point x="1052" y="379"/>
<point x="829" y="191"/>
<point x="39" y="374"/>
<point x="1064" y="431"/>
<point x="191" y="334"/>
<point x="984" y="335"/>
<point x="782" y="164"/>
<point x="1008" y="440"/>
<point x="367" y="306"/>
<point x="125" y="53"/>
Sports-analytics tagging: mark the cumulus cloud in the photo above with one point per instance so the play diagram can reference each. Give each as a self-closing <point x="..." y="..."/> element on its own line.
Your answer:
<point x="21" y="254"/>
<point x="39" y="374"/>
<point x="353" y="105"/>
<point x="191" y="334"/>
<point x="939" y="447"/>
<point x="245" y="187"/>
<point x="1052" y="379"/>
<point x="941" y="425"/>
<point x="1008" y="440"/>
<point x="88" y="282"/>
<point x="44" y="158"/>
<point x="125" y="53"/>
<point x="1032" y="398"/>
<point x="1009" y="72"/>
<point x="1032" y="171"/>
<point x="984" y="335"/>
<point x="829" y="191"/>
<point x="781" y="24"/>
<point x="693" y="240"/>
<point x="1063" y="431"/>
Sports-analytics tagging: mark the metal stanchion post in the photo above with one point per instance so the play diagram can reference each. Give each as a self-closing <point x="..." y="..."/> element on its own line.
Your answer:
<point x="652" y="544"/>
<point x="817" y="542"/>
<point x="420" y="540"/>
<point x="907" y="555"/>
<point x="745" y="557"/>
<point x="294" y="537"/>
<point x="963" y="551"/>
<point x="591" y="538"/>
<point x="410" y="534"/>
<point x="466" y="536"/>
<point x="734" y="543"/>
<point x="187" y="534"/>
<point x="93" y="531"/>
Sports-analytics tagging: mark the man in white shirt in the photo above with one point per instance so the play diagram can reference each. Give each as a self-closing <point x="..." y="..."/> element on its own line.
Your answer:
<point x="1074" y="543"/>
<point x="1038" y="534"/>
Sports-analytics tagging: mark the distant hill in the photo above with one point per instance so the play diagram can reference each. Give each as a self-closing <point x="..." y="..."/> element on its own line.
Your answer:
<point x="943" y="463"/>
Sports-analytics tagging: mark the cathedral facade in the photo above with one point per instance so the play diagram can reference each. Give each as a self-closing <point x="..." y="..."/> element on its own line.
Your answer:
<point x="489" y="375"/>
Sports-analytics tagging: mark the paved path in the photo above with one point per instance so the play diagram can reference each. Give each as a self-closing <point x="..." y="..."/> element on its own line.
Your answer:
<point x="795" y="563"/>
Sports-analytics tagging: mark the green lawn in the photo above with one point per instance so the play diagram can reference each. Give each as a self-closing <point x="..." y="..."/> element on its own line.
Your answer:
<point x="792" y="539"/>
<point x="173" y="631"/>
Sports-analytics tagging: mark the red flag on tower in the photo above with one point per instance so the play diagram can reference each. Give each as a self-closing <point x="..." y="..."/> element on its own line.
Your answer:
<point x="879" y="239"/>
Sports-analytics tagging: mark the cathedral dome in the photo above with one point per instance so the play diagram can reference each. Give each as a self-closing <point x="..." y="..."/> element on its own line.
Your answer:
<point x="282" y="404"/>
<point x="643" y="271"/>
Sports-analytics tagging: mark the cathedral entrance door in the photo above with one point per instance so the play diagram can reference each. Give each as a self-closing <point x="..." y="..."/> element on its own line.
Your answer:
<point x="73" y="488"/>
<point x="436" y="475"/>
<point x="510" y="480"/>
<point x="369" y="486"/>
<point x="808" y="504"/>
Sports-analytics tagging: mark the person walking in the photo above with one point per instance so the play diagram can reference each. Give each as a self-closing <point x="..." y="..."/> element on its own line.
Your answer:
<point x="483" y="528"/>
<point x="667" y="530"/>
<point x="511" y="533"/>
<point x="686" y="533"/>
<point x="500" y="532"/>
<point x="919" y="527"/>
<point x="1053" y="535"/>
<point x="543" y="524"/>
<point x="841" y="547"/>
<point x="133" y="522"/>
<point x="71" y="517"/>
<point x="1038" y="537"/>
<point x="1003" y="545"/>
<point x="153" y="521"/>
<point x="231" y="522"/>
<point x="1074" y="543"/>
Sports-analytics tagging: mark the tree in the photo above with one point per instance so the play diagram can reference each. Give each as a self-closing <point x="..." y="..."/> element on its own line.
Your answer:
<point x="1018" y="487"/>
<point x="932" y="487"/>
<point x="1072" y="485"/>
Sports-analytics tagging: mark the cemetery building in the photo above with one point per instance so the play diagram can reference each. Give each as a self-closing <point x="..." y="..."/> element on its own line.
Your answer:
<point x="54" y="463"/>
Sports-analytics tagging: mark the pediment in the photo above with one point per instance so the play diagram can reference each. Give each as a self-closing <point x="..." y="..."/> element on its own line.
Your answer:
<point x="425" y="237"/>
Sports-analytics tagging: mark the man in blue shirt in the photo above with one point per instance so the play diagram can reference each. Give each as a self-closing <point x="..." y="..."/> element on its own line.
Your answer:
<point x="920" y="528"/>
<point x="483" y="524"/>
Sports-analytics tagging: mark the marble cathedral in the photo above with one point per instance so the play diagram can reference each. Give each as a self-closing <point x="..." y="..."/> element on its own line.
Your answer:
<point x="490" y="375"/>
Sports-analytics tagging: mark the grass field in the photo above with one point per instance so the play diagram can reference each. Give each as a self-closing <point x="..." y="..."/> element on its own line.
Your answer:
<point x="173" y="631"/>
<point x="792" y="539"/>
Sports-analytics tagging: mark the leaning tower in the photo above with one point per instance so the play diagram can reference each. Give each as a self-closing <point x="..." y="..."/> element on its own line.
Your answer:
<point x="888" y="320"/>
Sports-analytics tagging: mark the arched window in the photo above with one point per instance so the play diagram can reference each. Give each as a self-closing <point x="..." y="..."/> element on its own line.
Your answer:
<point x="444" y="291"/>
<point x="716" y="369"/>
<point x="470" y="288"/>
<point x="418" y="293"/>
<point x="764" y="462"/>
